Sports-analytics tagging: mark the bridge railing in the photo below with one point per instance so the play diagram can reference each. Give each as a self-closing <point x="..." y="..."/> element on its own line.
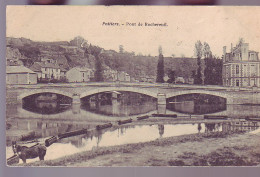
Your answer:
<point x="136" y="84"/>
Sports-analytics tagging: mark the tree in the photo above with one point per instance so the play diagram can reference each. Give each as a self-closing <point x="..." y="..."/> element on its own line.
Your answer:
<point x="193" y="75"/>
<point x="98" y="74"/>
<point x="30" y="51"/>
<point x="79" y="42"/>
<point x="121" y="49"/>
<point x="160" y="67"/>
<point x="209" y="63"/>
<point x="198" y="53"/>
<point x="206" y="50"/>
<point x="171" y="75"/>
<point x="95" y="51"/>
<point x="213" y="71"/>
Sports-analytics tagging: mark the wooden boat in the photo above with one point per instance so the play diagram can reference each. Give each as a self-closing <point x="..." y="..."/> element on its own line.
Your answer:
<point x="143" y="117"/>
<point x="165" y="115"/>
<point x="100" y="127"/>
<point x="72" y="133"/>
<point x="51" y="140"/>
<point x="252" y="118"/>
<point x="215" y="117"/>
<point x="13" y="160"/>
<point x="120" y="122"/>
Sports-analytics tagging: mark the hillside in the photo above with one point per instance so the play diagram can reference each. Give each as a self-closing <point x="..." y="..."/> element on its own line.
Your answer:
<point x="72" y="53"/>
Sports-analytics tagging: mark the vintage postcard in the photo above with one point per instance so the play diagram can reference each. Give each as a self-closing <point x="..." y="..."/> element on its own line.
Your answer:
<point x="91" y="86"/>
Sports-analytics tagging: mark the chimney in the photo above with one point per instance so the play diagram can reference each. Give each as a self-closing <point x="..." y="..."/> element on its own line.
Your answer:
<point x="231" y="48"/>
<point x="224" y="50"/>
<point x="224" y="53"/>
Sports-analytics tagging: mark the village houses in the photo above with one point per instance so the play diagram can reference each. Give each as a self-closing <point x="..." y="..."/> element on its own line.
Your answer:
<point x="46" y="70"/>
<point x="113" y="75"/>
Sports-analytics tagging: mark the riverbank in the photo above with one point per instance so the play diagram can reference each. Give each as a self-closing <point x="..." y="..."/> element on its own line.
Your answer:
<point x="212" y="149"/>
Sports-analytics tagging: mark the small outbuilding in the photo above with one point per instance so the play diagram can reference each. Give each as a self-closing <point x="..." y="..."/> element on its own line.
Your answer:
<point x="20" y="75"/>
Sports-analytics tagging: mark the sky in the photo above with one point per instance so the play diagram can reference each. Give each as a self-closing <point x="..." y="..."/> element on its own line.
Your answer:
<point x="218" y="26"/>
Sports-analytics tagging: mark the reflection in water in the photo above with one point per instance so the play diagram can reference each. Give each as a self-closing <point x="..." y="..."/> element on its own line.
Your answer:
<point x="196" y="104"/>
<point x="161" y="129"/>
<point x="46" y="103"/>
<point x="199" y="127"/>
<point x="129" y="134"/>
<point x="119" y="103"/>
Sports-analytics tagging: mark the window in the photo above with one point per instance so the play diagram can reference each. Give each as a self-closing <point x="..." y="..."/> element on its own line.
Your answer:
<point x="253" y="70"/>
<point x="237" y="69"/>
<point x="237" y="83"/>
<point x="83" y="74"/>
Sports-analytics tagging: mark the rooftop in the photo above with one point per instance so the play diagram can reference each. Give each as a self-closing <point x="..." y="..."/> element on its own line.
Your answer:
<point x="83" y="69"/>
<point x="18" y="69"/>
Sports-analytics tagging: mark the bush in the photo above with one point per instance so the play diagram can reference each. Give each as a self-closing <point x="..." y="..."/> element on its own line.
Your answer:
<point x="176" y="163"/>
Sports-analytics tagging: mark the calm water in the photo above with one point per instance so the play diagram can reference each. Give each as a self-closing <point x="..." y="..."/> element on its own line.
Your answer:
<point x="128" y="134"/>
<point x="49" y="114"/>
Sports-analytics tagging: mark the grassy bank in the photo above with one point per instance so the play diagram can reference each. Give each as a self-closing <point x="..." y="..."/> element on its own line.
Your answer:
<point x="213" y="149"/>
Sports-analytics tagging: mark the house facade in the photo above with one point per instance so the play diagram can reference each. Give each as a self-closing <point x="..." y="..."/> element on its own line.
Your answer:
<point x="112" y="75"/>
<point x="79" y="74"/>
<point x="241" y="67"/>
<point x="123" y="76"/>
<point x="20" y="75"/>
<point x="46" y="70"/>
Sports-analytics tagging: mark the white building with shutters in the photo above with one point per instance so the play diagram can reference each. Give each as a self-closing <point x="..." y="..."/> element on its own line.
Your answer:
<point x="241" y="67"/>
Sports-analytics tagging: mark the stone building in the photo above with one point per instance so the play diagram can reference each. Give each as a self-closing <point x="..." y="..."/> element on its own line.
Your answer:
<point x="79" y="74"/>
<point x="20" y="75"/>
<point x="241" y="67"/>
<point x="46" y="70"/>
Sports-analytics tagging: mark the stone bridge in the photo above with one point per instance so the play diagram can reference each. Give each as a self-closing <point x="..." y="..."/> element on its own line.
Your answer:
<point x="76" y="91"/>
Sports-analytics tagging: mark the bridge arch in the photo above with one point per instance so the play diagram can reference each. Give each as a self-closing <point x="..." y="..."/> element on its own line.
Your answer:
<point x="126" y="89"/>
<point x="208" y="92"/>
<point x="32" y="92"/>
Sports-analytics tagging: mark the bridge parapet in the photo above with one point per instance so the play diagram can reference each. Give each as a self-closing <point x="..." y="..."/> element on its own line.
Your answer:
<point x="233" y="96"/>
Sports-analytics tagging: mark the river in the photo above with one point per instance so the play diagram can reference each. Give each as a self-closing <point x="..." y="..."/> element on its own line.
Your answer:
<point x="49" y="115"/>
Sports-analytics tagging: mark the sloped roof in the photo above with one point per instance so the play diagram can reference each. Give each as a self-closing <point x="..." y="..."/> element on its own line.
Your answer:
<point x="83" y="69"/>
<point x="63" y="69"/>
<point x="38" y="65"/>
<point x="252" y="51"/>
<point x="18" y="69"/>
<point x="49" y="65"/>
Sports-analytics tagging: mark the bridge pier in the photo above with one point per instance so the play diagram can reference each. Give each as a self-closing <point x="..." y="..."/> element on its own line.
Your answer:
<point x="19" y="101"/>
<point x="229" y="101"/>
<point x="161" y="99"/>
<point x="161" y="103"/>
<point x="75" y="108"/>
<point x="161" y="109"/>
<point x="75" y="99"/>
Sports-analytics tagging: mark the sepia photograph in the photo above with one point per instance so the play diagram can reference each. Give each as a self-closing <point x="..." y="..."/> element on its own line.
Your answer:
<point x="127" y="86"/>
